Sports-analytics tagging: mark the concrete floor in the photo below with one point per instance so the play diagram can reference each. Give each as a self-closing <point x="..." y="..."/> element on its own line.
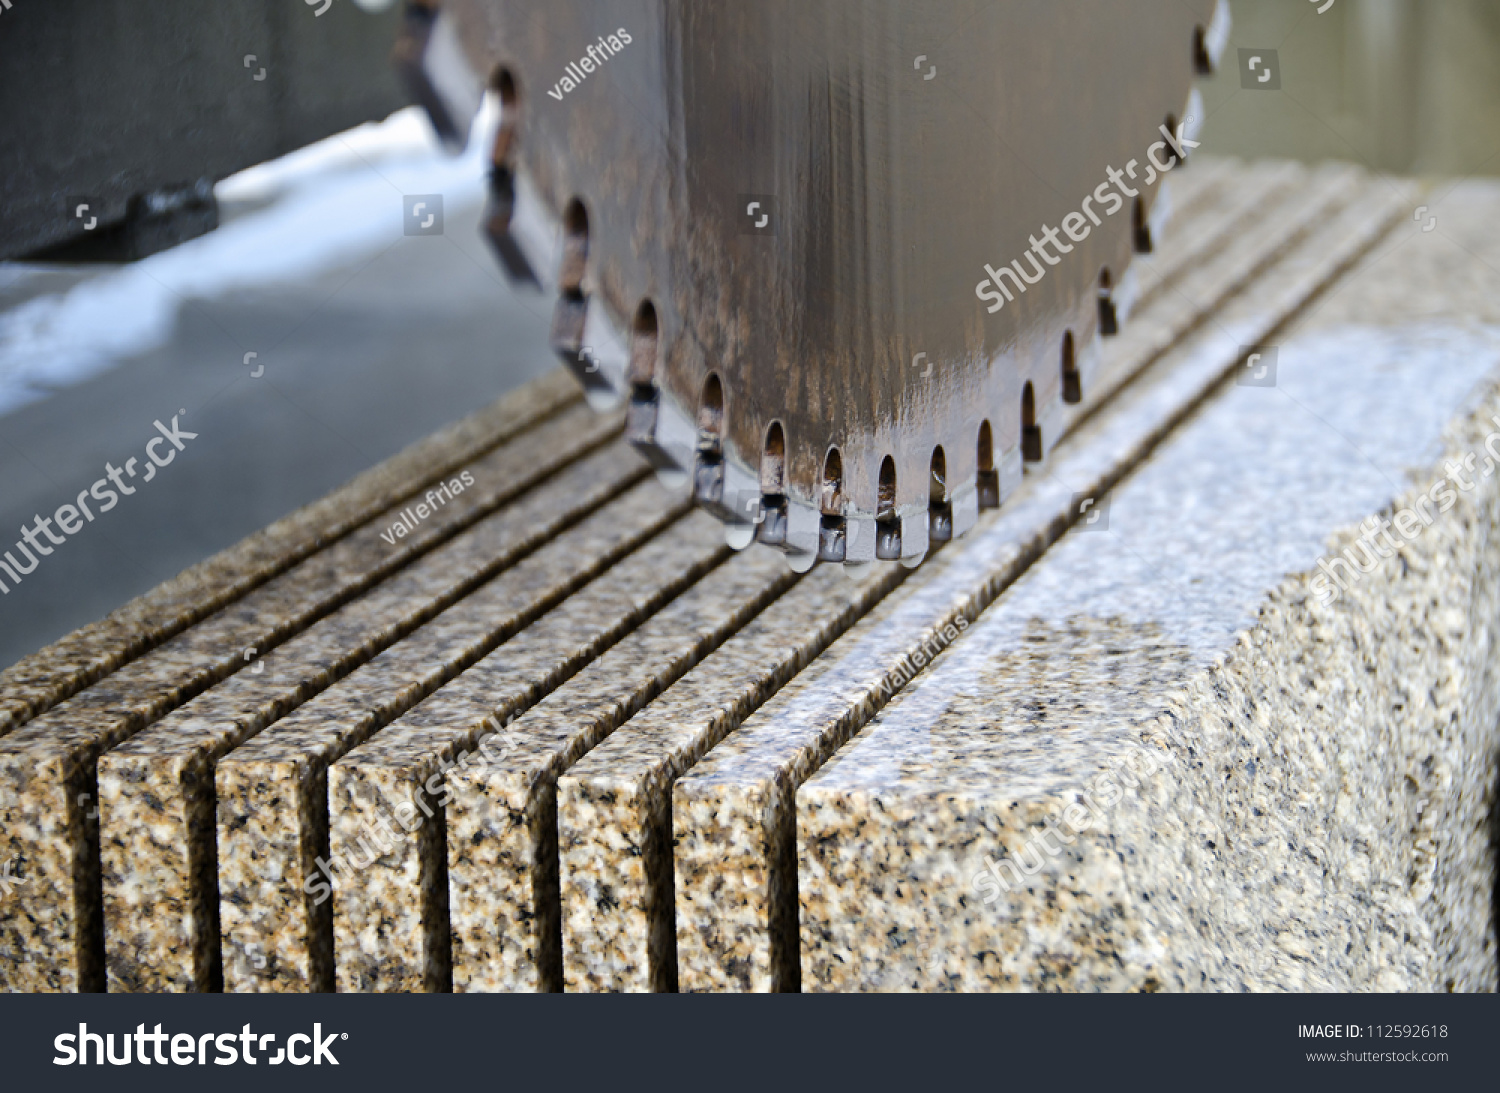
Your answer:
<point x="371" y="351"/>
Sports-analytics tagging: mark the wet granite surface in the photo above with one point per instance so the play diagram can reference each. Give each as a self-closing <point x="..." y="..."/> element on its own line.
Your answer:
<point x="1164" y="759"/>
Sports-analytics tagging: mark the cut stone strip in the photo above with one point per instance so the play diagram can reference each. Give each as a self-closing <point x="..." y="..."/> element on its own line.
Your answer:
<point x="390" y="925"/>
<point x="614" y="815"/>
<point x="51" y="761"/>
<point x="1188" y="302"/>
<point x="156" y="790"/>
<point x="278" y="860"/>
<point x="733" y="814"/>
<point x="1203" y="179"/>
<point x="43" y="679"/>
<point x="1255" y="193"/>
<point x="1160" y="762"/>
<point x="502" y="816"/>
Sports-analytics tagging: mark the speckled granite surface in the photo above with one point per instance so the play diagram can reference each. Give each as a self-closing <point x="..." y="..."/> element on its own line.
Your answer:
<point x="502" y="816"/>
<point x="566" y="813"/>
<point x="614" y="806"/>
<point x="273" y="825"/>
<point x="733" y="814"/>
<point x="275" y="892"/>
<point x="60" y="930"/>
<point x="390" y="927"/>
<point x="1160" y="761"/>
<point x="71" y="663"/>
<point x="156" y="790"/>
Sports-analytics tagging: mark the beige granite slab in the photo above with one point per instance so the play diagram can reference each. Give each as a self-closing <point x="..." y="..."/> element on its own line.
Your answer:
<point x="501" y="816"/>
<point x="53" y="757"/>
<point x="50" y="675"/>
<point x="159" y="877"/>
<point x="1203" y="180"/>
<point x="1163" y="760"/>
<point x="733" y="814"/>
<point x="396" y="929"/>
<point x="1213" y="222"/>
<point x="1232" y="262"/>
<point x="390" y="924"/>
<point x="614" y="822"/>
<point x="1289" y="789"/>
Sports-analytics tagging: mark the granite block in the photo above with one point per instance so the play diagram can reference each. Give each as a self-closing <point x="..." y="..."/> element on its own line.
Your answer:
<point x="390" y="922"/>
<point x="1294" y="792"/>
<point x="160" y="911"/>
<point x="614" y="806"/>
<point x="501" y="816"/>
<point x="1164" y="761"/>
<point x="733" y="814"/>
<point x="37" y="682"/>
<point x="68" y="739"/>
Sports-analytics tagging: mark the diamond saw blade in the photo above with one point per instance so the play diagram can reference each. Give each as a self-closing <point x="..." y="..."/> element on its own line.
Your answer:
<point x="844" y="260"/>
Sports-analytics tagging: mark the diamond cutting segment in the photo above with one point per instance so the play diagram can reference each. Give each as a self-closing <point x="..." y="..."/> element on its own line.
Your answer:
<point x="159" y="878"/>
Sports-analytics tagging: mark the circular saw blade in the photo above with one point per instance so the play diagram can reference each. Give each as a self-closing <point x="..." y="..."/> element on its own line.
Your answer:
<point x="844" y="261"/>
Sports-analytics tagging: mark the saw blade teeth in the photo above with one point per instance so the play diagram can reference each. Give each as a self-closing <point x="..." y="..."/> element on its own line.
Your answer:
<point x="429" y="59"/>
<point x="523" y="236"/>
<point x="876" y="457"/>
<point x="1209" y="41"/>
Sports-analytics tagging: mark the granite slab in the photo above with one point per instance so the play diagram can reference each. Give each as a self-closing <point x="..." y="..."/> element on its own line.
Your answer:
<point x="60" y="930"/>
<point x="278" y="862"/>
<point x="614" y="817"/>
<point x="1211" y="220"/>
<point x="733" y="814"/>
<point x="1232" y="260"/>
<point x="501" y="828"/>
<point x="1165" y="760"/>
<point x="40" y="681"/>
<point x="386" y="800"/>
<point x="159" y="876"/>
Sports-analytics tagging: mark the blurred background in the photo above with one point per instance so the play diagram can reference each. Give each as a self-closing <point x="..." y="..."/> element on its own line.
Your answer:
<point x="1405" y="86"/>
<point x="308" y="335"/>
